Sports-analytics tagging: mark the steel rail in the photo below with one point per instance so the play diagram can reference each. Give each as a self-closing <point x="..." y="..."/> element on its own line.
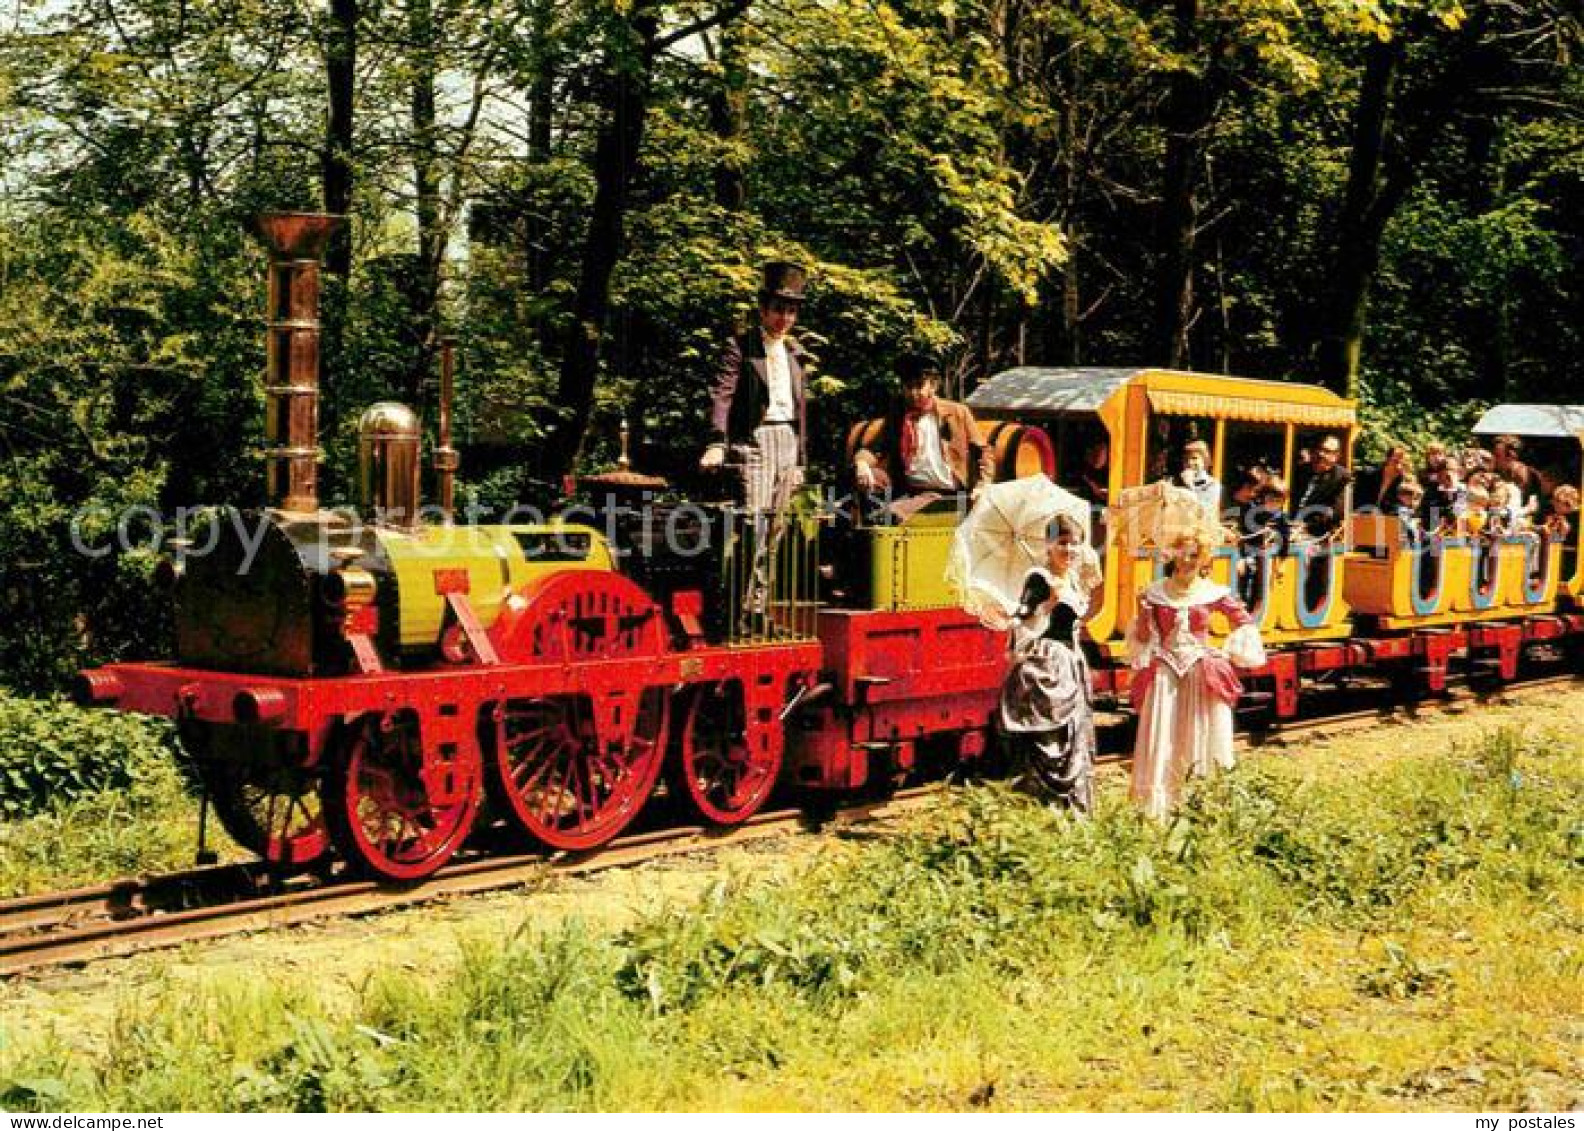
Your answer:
<point x="125" y="917"/>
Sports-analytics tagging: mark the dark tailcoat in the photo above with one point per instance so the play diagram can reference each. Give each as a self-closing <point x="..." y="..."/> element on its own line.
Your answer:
<point x="741" y="390"/>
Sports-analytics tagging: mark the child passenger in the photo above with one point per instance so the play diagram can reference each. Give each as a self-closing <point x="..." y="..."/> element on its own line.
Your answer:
<point x="1406" y="509"/>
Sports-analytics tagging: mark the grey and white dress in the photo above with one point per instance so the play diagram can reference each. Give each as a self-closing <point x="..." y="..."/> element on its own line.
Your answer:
<point x="1045" y="712"/>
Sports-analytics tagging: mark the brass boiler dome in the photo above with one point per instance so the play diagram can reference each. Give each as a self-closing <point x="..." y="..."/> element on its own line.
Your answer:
<point x="389" y="435"/>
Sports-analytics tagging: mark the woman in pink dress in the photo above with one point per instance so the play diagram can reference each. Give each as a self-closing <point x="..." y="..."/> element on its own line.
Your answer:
<point x="1183" y="689"/>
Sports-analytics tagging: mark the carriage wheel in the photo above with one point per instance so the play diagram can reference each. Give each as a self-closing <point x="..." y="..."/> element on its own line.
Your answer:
<point x="572" y="776"/>
<point x="267" y="805"/>
<point x="720" y="772"/>
<point x="390" y="815"/>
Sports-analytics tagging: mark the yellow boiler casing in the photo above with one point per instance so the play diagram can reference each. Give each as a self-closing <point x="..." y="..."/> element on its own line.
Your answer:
<point x="496" y="559"/>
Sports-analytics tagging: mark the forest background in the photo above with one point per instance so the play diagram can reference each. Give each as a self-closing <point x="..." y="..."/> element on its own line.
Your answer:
<point x="1385" y="196"/>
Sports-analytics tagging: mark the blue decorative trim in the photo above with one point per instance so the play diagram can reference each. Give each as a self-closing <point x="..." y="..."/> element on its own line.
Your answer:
<point x="1482" y="549"/>
<point x="1433" y="548"/>
<point x="1316" y="618"/>
<point x="1536" y="575"/>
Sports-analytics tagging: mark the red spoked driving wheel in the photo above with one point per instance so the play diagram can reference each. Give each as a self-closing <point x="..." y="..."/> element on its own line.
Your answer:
<point x="725" y="774"/>
<point x="393" y="813"/>
<point x="263" y="799"/>
<point x="572" y="771"/>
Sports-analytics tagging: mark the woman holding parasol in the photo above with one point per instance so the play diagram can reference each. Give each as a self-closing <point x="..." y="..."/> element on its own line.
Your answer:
<point x="1021" y="562"/>
<point x="1183" y="689"/>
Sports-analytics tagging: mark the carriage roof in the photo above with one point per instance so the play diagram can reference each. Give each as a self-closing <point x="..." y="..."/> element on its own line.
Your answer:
<point x="1030" y="390"/>
<point x="1563" y="421"/>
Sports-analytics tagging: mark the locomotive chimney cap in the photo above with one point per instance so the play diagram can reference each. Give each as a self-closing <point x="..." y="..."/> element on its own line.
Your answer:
<point x="389" y="418"/>
<point x="296" y="235"/>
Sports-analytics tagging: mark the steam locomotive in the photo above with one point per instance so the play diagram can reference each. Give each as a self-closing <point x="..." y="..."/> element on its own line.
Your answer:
<point x="363" y="687"/>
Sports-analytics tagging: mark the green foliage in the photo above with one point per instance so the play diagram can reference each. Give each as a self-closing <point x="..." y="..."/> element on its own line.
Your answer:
<point x="88" y="795"/>
<point x="52" y="753"/>
<point x="982" y="180"/>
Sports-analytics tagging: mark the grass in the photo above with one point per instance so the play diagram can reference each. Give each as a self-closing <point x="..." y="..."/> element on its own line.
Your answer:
<point x="87" y="795"/>
<point x="1403" y="938"/>
<point x="147" y="826"/>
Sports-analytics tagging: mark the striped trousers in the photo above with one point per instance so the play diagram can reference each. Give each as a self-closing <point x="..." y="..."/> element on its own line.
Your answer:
<point x="770" y="473"/>
<point x="770" y="468"/>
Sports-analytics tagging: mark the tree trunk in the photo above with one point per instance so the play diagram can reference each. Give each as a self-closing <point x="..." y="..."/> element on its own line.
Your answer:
<point x="541" y="134"/>
<point x="422" y="36"/>
<point x="625" y="101"/>
<point x="1189" y="110"/>
<point x="729" y="117"/>
<point x="337" y="176"/>
<point x="336" y="160"/>
<point x="1365" y="211"/>
<point x="1071" y="308"/>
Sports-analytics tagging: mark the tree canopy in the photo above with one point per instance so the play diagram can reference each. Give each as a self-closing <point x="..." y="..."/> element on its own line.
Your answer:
<point x="1382" y="195"/>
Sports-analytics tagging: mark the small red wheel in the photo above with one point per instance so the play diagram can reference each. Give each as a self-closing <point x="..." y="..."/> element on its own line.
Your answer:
<point x="393" y="814"/>
<point x="267" y="804"/>
<point x="725" y="775"/>
<point x="572" y="777"/>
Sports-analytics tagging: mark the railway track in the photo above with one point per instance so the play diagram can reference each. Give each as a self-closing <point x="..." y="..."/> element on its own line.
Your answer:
<point x="145" y="913"/>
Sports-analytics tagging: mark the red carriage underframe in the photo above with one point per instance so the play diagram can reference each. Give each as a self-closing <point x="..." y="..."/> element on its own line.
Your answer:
<point x="1420" y="660"/>
<point x="567" y="731"/>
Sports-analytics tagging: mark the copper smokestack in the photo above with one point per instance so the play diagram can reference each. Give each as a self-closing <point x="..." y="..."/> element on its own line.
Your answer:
<point x="295" y="241"/>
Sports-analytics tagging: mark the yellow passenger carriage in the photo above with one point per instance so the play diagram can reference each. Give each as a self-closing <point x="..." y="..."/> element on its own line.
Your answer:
<point x="1145" y="417"/>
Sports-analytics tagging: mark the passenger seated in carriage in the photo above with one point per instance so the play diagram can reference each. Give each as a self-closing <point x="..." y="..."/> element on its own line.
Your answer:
<point x="1507" y="463"/>
<point x="1508" y="504"/>
<point x="1323" y="501"/>
<point x="1406" y="510"/>
<point x="1263" y="528"/>
<point x="1445" y="498"/>
<point x="1092" y="481"/>
<point x="1249" y="481"/>
<point x="1476" y="515"/>
<point x="1376" y="489"/>
<point x="1197" y="478"/>
<point x="1435" y="458"/>
<point x="1557" y="519"/>
<point x="927" y="449"/>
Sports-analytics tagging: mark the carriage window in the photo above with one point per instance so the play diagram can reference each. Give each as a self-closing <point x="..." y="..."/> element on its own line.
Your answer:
<point x="1167" y="437"/>
<point x="1306" y="441"/>
<point x="1250" y="448"/>
<point x="1083" y="463"/>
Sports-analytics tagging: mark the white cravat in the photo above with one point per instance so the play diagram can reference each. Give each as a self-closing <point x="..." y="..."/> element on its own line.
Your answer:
<point x="928" y="467"/>
<point x="778" y="374"/>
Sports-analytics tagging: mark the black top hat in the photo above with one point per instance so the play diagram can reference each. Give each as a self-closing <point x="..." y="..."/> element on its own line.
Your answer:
<point x="784" y="281"/>
<point x="914" y="368"/>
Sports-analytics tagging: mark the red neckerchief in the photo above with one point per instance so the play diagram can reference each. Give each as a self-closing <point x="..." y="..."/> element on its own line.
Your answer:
<point x="910" y="431"/>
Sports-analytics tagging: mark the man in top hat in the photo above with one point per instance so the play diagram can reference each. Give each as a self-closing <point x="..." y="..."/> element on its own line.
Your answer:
<point x="757" y="419"/>
<point x="757" y="397"/>
<point x="927" y="447"/>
